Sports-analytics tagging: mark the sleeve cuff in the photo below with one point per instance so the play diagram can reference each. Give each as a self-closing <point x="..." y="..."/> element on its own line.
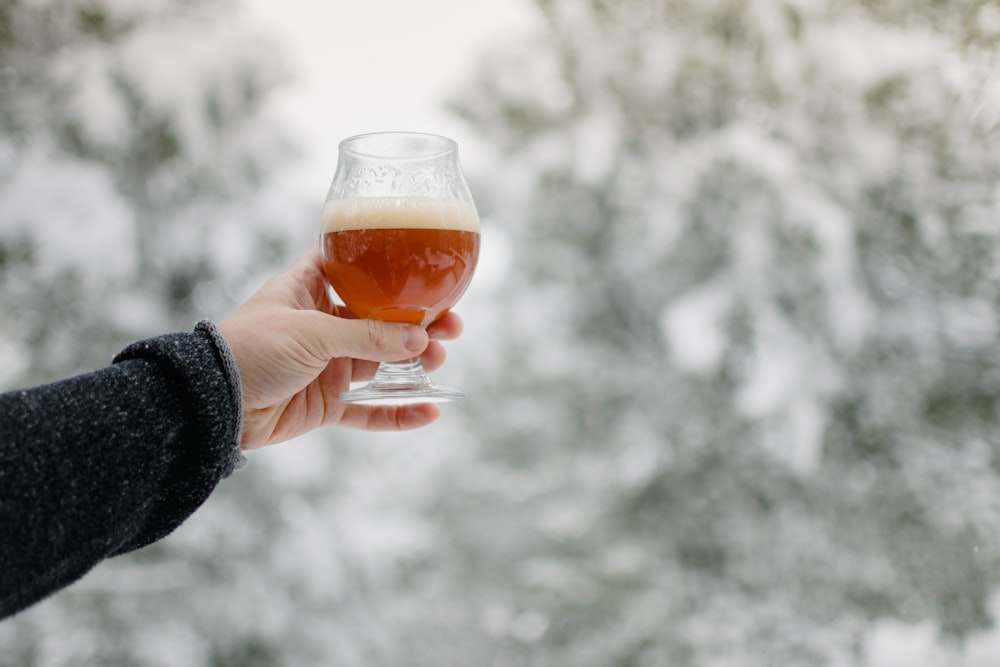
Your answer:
<point x="232" y="373"/>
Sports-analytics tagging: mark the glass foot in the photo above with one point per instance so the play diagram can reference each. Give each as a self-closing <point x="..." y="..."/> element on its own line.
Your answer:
<point x="400" y="383"/>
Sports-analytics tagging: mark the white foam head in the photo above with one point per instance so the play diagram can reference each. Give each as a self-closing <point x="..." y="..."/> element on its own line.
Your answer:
<point x="399" y="213"/>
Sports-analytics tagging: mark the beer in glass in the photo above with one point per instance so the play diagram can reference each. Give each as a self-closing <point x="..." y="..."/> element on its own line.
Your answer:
<point x="400" y="241"/>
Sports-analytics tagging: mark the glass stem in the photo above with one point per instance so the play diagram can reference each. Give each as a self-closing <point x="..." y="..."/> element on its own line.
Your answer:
<point x="407" y="372"/>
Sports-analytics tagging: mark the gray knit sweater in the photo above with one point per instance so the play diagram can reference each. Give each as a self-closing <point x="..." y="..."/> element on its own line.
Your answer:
<point x="104" y="463"/>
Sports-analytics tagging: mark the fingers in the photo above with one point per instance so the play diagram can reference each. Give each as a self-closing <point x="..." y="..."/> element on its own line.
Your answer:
<point x="336" y="332"/>
<point x="433" y="357"/>
<point x="449" y="326"/>
<point x="389" y="418"/>
<point x="330" y="337"/>
<point x="374" y="340"/>
<point x="446" y="327"/>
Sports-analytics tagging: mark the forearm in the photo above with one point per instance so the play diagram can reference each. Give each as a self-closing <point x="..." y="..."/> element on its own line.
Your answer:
<point x="107" y="462"/>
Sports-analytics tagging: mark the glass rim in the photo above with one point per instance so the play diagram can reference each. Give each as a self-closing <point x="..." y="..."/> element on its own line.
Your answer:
<point x="423" y="145"/>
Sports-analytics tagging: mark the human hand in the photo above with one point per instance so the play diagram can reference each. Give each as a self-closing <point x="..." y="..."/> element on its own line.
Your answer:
<point x="296" y="351"/>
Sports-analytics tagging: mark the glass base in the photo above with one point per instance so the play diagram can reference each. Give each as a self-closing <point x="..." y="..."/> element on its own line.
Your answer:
<point x="400" y="383"/>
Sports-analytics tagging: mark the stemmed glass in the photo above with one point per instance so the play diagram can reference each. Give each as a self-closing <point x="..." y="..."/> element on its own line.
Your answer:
<point x="400" y="241"/>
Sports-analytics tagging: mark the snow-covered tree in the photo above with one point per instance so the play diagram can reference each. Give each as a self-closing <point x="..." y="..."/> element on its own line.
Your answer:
<point x="135" y="144"/>
<point x="739" y="403"/>
<point x="131" y="142"/>
<point x="748" y="404"/>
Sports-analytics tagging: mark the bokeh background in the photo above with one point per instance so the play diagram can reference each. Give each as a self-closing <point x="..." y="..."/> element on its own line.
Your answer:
<point x="732" y="355"/>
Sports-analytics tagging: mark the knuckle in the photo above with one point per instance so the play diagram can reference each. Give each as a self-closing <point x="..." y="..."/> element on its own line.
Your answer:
<point x="376" y="334"/>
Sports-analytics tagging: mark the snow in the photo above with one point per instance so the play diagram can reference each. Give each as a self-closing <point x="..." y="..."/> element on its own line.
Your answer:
<point x="13" y="360"/>
<point x="693" y="329"/>
<point x="895" y="644"/>
<point x="594" y="144"/>
<point x="74" y="214"/>
<point x="835" y="232"/>
<point x="887" y="51"/>
<point x="223" y="58"/>
<point x="390" y="64"/>
<point x="94" y="99"/>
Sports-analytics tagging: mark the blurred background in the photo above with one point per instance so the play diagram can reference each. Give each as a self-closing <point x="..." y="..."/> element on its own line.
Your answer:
<point x="731" y="355"/>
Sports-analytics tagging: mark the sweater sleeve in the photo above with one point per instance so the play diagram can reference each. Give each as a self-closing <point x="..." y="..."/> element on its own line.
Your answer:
<point x="107" y="462"/>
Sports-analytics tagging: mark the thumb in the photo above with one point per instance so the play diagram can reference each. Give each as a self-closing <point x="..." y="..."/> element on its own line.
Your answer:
<point x="373" y="340"/>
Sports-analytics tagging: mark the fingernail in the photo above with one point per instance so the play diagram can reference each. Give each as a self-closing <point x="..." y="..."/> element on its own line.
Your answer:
<point x="414" y="338"/>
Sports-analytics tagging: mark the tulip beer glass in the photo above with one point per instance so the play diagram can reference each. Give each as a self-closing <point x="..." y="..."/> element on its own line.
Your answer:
<point x="400" y="241"/>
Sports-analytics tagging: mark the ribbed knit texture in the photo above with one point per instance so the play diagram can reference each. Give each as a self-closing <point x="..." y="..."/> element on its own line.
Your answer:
<point x="107" y="462"/>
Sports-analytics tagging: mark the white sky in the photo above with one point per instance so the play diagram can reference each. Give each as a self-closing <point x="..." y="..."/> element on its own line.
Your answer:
<point x="372" y="65"/>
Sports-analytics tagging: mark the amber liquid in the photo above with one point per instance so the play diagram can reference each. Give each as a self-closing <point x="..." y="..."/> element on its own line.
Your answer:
<point x="410" y="275"/>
